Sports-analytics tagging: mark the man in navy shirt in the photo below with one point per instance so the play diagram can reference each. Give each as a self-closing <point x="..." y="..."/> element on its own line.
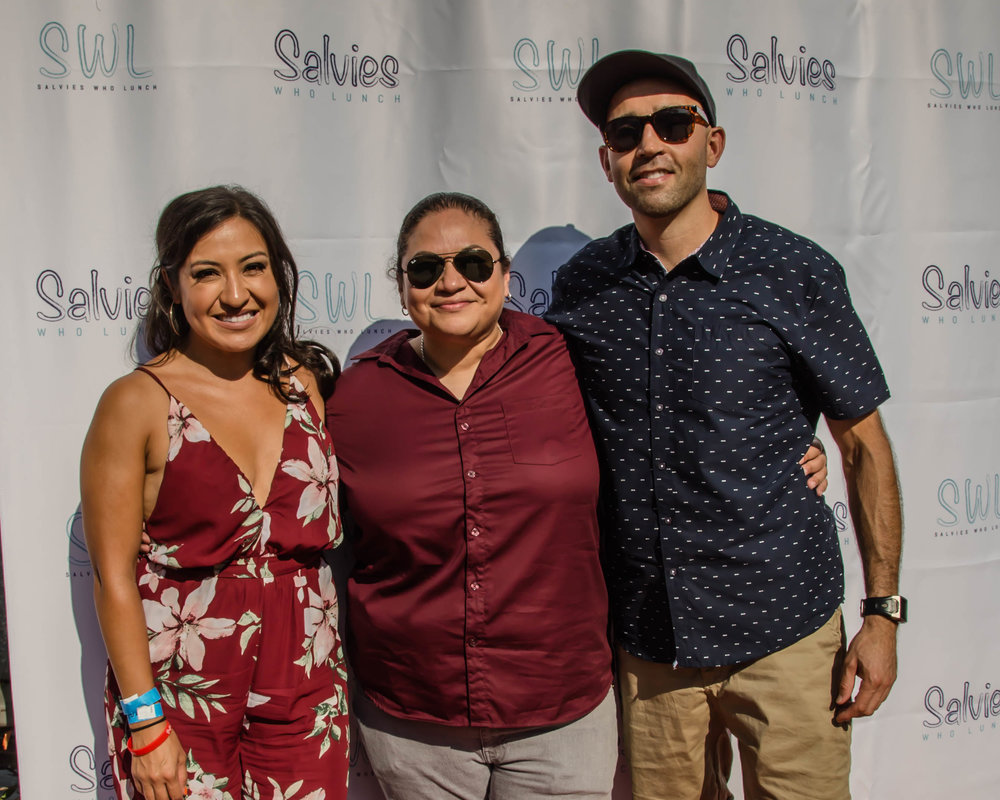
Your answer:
<point x="708" y="342"/>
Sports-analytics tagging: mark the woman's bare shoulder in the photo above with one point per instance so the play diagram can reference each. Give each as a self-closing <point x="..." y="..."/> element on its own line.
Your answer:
<point x="134" y="400"/>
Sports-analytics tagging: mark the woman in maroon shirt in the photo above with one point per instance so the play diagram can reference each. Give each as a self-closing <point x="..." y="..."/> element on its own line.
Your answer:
<point x="477" y="608"/>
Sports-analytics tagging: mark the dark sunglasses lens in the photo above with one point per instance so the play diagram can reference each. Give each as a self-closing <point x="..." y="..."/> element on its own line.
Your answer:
<point x="673" y="125"/>
<point x="424" y="270"/>
<point x="476" y="265"/>
<point x="623" y="134"/>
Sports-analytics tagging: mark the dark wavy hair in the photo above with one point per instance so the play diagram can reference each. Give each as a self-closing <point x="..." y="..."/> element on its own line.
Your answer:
<point x="444" y="201"/>
<point x="184" y="221"/>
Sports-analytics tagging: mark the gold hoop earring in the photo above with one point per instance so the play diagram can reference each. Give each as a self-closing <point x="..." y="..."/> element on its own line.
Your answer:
<point x="171" y="321"/>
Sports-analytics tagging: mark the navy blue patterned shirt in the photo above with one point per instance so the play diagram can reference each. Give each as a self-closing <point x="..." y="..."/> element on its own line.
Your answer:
<point x="704" y="386"/>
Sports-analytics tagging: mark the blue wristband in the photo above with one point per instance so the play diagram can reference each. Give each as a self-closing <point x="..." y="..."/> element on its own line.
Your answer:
<point x="139" y="708"/>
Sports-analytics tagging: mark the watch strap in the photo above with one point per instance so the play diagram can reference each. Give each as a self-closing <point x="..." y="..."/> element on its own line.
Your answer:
<point x="892" y="607"/>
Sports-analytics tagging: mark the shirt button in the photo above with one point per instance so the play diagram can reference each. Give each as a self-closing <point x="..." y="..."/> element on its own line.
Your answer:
<point x="473" y="642"/>
<point x="661" y="464"/>
<point x="673" y="572"/>
<point x="474" y="586"/>
<point x="464" y="426"/>
<point x="659" y="406"/>
<point x="474" y="531"/>
<point x="662" y="298"/>
<point x="658" y="351"/>
<point x="471" y="473"/>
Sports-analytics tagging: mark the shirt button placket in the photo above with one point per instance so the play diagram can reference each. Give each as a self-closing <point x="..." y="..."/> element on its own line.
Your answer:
<point x="660" y="420"/>
<point x="474" y="548"/>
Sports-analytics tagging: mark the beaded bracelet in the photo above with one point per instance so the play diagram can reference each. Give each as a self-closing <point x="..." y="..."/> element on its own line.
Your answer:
<point x="149" y="748"/>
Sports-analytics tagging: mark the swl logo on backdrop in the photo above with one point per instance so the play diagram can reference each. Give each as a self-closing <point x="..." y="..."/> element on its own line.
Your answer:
<point x="348" y="75"/>
<point x="968" y="506"/>
<point x="99" y="59"/>
<point x="956" y="295"/>
<point x="779" y="72"/>
<point x="971" y="712"/>
<point x="549" y="71"/>
<point x="68" y="307"/>
<point x="964" y="82"/>
<point x="331" y="306"/>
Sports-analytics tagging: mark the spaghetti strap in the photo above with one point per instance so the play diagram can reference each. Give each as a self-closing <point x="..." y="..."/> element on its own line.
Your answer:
<point x="153" y="375"/>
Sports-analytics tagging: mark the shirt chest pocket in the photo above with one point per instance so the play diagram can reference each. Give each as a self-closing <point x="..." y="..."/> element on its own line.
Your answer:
<point x="545" y="430"/>
<point x="735" y="367"/>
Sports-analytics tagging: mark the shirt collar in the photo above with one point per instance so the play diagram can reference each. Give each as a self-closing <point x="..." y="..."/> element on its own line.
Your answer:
<point x="715" y="252"/>
<point x="397" y="352"/>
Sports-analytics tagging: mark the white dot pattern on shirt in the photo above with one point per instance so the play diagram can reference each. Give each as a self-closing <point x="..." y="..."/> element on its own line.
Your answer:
<point x="704" y="385"/>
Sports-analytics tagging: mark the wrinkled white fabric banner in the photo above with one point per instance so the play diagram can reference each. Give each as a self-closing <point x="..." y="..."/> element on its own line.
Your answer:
<point x="868" y="125"/>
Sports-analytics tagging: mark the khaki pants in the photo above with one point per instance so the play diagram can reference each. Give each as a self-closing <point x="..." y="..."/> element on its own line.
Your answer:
<point x="779" y="708"/>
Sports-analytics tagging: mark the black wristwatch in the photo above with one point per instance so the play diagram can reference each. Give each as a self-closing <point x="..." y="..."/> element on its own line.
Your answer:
<point x="892" y="607"/>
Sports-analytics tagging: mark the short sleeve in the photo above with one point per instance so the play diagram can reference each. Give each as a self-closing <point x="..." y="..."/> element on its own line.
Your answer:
<point x="834" y="352"/>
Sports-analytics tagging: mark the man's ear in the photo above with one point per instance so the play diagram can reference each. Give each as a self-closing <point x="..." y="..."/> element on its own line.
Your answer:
<point x="605" y="157"/>
<point x="714" y="145"/>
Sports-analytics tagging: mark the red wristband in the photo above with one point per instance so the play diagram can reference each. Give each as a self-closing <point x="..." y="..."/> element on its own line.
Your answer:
<point x="149" y="748"/>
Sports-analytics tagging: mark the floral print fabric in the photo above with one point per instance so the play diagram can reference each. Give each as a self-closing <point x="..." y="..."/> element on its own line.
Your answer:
<point x="241" y="615"/>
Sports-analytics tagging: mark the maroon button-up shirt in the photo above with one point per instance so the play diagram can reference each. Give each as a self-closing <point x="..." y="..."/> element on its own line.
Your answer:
<point x="477" y="597"/>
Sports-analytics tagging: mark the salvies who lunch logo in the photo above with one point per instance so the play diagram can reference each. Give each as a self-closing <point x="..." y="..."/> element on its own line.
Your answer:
<point x="78" y="560"/>
<point x="70" y="308"/>
<point x="548" y="71"/>
<point x="959" y="295"/>
<point x="339" y="74"/>
<point x="92" y="58"/>
<point x="973" y="710"/>
<point x="92" y="776"/>
<point x="964" y="81"/>
<point x="776" y="70"/>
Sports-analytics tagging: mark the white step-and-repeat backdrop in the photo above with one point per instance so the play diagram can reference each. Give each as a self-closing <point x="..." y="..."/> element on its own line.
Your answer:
<point x="871" y="126"/>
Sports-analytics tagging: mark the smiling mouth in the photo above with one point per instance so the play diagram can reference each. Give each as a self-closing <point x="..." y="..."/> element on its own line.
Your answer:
<point x="651" y="174"/>
<point x="244" y="317"/>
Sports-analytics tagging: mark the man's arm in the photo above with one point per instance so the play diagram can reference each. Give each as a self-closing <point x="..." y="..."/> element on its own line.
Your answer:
<point x="873" y="496"/>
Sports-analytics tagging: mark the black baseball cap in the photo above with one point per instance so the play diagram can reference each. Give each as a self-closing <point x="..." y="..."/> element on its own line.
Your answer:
<point x="611" y="73"/>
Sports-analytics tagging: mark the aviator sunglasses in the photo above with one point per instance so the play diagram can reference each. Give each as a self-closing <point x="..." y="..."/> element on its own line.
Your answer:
<point x="674" y="125"/>
<point x="473" y="263"/>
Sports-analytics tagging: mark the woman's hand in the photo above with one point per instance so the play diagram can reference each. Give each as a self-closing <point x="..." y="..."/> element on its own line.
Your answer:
<point x="814" y="466"/>
<point x="161" y="774"/>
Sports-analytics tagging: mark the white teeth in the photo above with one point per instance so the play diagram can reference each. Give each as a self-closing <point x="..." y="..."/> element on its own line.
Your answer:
<point x="240" y="318"/>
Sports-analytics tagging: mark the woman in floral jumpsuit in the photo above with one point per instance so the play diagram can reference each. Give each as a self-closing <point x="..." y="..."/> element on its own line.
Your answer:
<point x="217" y="449"/>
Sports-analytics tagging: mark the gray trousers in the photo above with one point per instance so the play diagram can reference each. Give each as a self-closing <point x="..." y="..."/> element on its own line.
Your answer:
<point x="426" y="761"/>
